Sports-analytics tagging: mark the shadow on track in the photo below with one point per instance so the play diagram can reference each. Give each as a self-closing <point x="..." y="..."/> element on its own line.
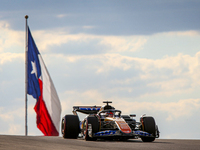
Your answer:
<point x="160" y="141"/>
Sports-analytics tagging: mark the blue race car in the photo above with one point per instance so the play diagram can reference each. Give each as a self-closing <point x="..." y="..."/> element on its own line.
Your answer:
<point x="106" y="122"/>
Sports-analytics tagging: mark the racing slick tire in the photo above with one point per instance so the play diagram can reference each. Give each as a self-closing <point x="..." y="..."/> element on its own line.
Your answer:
<point x="149" y="126"/>
<point x="95" y="127"/>
<point x="70" y="126"/>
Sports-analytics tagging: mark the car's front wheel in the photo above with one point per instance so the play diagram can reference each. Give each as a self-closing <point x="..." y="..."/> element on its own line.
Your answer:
<point x="148" y="125"/>
<point x="93" y="121"/>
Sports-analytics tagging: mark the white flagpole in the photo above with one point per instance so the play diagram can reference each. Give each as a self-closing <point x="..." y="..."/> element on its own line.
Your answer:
<point x="26" y="79"/>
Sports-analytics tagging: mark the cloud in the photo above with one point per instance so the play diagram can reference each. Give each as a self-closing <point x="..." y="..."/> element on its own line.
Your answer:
<point x="113" y="61"/>
<point x="11" y="119"/>
<point x="130" y="76"/>
<point x="174" y="110"/>
<point x="10" y="57"/>
<point x="62" y="16"/>
<point x="190" y="33"/>
<point x="10" y="40"/>
<point x="170" y="75"/>
<point x="76" y="97"/>
<point x="120" y="44"/>
<point x="14" y="129"/>
<point x="182" y="72"/>
<point x="5" y="117"/>
<point x="88" y="27"/>
<point x="60" y="37"/>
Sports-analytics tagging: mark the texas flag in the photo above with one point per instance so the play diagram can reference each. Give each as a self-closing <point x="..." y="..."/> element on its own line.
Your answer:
<point x="40" y="86"/>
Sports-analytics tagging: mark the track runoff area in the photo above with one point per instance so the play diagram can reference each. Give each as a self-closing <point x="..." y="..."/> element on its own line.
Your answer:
<point x="51" y="143"/>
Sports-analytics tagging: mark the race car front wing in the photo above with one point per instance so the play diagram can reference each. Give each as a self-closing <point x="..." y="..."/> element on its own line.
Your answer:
<point x="117" y="133"/>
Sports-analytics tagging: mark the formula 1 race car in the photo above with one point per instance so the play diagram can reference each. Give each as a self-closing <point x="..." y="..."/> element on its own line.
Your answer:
<point x="108" y="123"/>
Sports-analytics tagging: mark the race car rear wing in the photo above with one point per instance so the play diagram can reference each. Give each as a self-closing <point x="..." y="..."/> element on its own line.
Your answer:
<point x="86" y="109"/>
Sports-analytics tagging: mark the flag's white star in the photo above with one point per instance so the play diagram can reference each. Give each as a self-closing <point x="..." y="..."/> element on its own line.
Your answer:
<point x="34" y="71"/>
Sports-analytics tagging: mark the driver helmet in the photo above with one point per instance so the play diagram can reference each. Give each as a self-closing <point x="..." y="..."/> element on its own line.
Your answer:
<point x="109" y="114"/>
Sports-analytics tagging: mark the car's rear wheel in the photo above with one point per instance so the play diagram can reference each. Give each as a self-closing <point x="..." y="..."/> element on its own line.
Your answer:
<point x="93" y="120"/>
<point x="149" y="126"/>
<point x="70" y="126"/>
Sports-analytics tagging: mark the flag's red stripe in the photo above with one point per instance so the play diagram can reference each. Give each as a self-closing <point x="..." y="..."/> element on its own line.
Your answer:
<point x="44" y="122"/>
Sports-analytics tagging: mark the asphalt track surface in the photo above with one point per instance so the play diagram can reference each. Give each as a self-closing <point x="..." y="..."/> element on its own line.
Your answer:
<point x="8" y="142"/>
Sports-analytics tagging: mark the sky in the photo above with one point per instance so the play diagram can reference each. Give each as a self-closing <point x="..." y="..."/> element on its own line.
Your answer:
<point x="144" y="56"/>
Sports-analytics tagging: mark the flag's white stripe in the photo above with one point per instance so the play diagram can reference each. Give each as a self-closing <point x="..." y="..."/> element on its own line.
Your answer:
<point x="50" y="96"/>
